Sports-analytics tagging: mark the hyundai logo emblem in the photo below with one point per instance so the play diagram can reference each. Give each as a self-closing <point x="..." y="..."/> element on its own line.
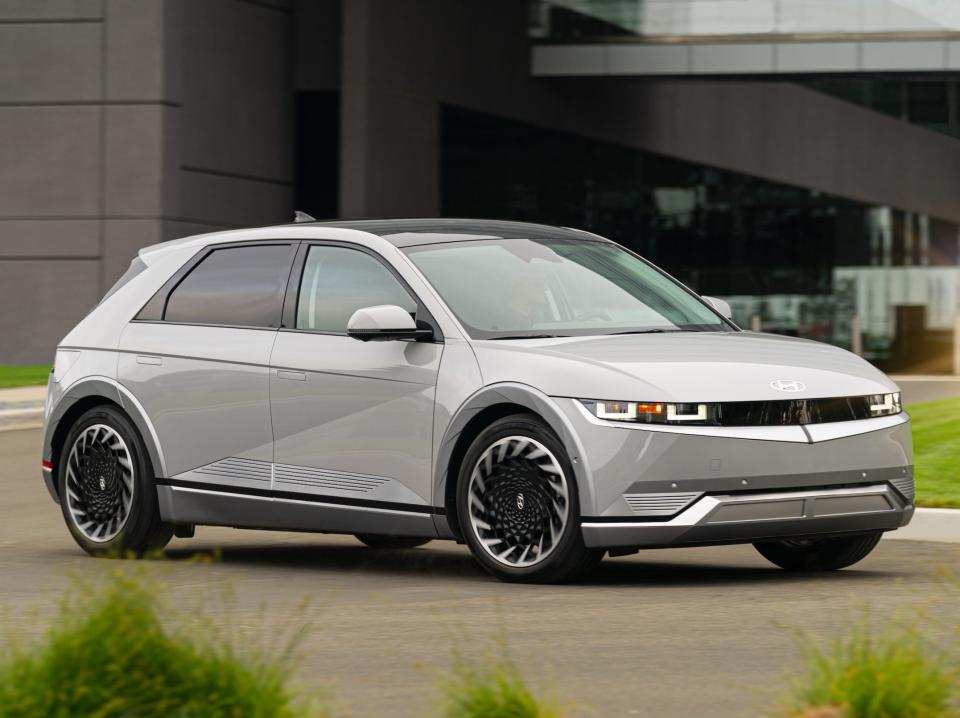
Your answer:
<point x="789" y="385"/>
<point x="520" y="502"/>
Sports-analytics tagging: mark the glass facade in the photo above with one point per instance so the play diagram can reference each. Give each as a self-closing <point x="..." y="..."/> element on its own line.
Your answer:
<point x="804" y="262"/>
<point x="932" y="101"/>
<point x="566" y="20"/>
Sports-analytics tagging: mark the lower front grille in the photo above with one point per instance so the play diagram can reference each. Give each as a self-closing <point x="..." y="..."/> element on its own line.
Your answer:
<point x="660" y="504"/>
<point x="906" y="487"/>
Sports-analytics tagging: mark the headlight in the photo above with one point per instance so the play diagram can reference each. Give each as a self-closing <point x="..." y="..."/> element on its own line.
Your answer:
<point x="652" y="412"/>
<point x="885" y="404"/>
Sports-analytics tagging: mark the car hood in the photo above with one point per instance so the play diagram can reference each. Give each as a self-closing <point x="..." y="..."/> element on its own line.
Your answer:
<point x="680" y="367"/>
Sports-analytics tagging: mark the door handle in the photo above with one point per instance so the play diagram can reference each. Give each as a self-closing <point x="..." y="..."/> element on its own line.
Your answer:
<point x="145" y="359"/>
<point x="291" y="375"/>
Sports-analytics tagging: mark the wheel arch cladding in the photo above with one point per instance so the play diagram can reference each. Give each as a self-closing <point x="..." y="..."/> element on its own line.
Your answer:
<point x="482" y="409"/>
<point x="88" y="395"/>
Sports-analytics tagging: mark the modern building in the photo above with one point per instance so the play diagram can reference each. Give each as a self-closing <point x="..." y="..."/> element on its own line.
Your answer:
<point x="798" y="157"/>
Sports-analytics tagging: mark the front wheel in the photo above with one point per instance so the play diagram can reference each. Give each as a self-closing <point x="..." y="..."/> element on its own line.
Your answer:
<point x="107" y="491"/>
<point x="517" y="504"/>
<point x="825" y="554"/>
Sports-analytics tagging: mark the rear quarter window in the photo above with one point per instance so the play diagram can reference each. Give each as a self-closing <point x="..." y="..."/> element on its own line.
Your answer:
<point x="233" y="286"/>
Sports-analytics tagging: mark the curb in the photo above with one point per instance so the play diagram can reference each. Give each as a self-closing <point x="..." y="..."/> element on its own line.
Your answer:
<point x="24" y="418"/>
<point x="23" y="394"/>
<point x="942" y="525"/>
<point x="22" y="407"/>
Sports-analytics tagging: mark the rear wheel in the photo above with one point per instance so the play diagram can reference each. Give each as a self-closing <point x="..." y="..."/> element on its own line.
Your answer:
<point x="107" y="491"/>
<point x="517" y="504"/>
<point x="391" y="542"/>
<point x="825" y="554"/>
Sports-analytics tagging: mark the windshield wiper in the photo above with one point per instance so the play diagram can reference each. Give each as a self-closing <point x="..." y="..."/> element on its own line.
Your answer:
<point x="531" y="336"/>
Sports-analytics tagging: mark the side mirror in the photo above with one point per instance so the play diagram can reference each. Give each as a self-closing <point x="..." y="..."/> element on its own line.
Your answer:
<point x="720" y="306"/>
<point x="383" y="323"/>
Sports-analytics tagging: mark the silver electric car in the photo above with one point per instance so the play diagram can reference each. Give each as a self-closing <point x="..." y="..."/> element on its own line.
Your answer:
<point x="541" y="394"/>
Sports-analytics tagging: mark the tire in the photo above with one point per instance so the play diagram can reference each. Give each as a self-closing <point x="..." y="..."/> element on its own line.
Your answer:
<point x="826" y="554"/>
<point x="107" y="492"/>
<point x="383" y="541"/>
<point x="523" y="521"/>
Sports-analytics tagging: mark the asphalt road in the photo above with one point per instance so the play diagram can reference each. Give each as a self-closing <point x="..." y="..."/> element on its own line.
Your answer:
<point x="689" y="632"/>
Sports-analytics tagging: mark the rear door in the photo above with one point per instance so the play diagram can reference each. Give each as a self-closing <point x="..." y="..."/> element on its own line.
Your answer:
<point x="352" y="420"/>
<point x="197" y="358"/>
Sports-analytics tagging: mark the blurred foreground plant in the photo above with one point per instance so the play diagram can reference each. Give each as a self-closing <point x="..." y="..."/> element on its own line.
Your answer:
<point x="492" y="687"/>
<point x="892" y="672"/>
<point x="109" y="654"/>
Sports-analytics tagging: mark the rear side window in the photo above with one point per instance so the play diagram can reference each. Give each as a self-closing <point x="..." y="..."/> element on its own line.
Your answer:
<point x="339" y="281"/>
<point x="235" y="286"/>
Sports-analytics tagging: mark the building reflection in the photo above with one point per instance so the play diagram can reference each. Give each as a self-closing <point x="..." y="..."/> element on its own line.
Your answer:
<point x="799" y="262"/>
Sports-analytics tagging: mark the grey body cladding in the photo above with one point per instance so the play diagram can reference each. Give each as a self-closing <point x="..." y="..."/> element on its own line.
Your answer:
<point x="286" y="421"/>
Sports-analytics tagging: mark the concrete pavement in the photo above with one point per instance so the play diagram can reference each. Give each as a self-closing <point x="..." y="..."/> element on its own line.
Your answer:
<point x="690" y="632"/>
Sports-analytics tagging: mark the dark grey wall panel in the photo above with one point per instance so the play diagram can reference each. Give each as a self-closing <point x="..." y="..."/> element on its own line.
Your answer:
<point x="50" y="62"/>
<point x="140" y="161"/>
<point x="159" y="119"/>
<point x="238" y="92"/>
<point x="234" y="201"/>
<point x="21" y="10"/>
<point x="318" y="28"/>
<point x="143" y="50"/>
<point x="49" y="161"/>
<point x="58" y="293"/>
<point x="49" y="238"/>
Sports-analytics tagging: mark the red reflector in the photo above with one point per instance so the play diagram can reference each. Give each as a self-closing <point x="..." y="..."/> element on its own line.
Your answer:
<point x="48" y="465"/>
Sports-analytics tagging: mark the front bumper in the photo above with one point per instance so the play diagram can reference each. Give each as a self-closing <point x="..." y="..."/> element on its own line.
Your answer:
<point x="747" y="517"/>
<point x="646" y="486"/>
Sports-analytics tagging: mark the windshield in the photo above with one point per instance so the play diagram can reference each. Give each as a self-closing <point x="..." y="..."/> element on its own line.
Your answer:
<point x="518" y="288"/>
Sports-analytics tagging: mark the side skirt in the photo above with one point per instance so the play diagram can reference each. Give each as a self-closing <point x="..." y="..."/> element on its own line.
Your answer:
<point x="222" y="507"/>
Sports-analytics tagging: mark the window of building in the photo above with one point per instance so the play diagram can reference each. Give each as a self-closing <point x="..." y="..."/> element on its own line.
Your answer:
<point x="338" y="281"/>
<point x="926" y="100"/>
<point x="235" y="286"/>
<point x="799" y="261"/>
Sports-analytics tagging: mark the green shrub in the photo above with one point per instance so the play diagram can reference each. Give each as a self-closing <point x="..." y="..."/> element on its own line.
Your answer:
<point x="893" y="673"/>
<point x="491" y="688"/>
<point x="109" y="654"/>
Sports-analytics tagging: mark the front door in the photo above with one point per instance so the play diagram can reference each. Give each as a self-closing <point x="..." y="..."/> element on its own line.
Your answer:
<point x="352" y="420"/>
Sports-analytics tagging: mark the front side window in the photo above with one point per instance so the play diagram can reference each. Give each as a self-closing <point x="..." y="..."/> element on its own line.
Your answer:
<point x="338" y="281"/>
<point x="514" y="288"/>
<point x="234" y="286"/>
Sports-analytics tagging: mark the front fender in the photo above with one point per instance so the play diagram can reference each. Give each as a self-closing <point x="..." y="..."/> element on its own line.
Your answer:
<point x="529" y="398"/>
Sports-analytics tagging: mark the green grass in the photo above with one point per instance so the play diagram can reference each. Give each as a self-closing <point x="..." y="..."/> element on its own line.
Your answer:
<point x="865" y="674"/>
<point x="936" y="444"/>
<point x="109" y="654"/>
<point x="492" y="688"/>
<point x="23" y="375"/>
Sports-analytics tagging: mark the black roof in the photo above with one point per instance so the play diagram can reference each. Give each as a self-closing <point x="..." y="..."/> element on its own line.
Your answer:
<point x="410" y="232"/>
